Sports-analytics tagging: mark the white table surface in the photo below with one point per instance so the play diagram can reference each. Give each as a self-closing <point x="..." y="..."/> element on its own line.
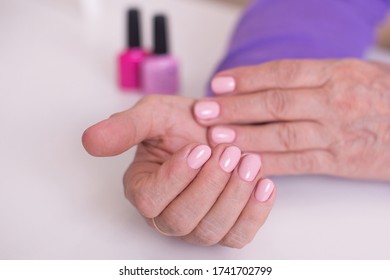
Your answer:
<point x="57" y="77"/>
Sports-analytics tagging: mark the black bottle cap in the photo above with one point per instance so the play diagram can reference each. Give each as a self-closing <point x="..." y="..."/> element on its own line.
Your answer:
<point x="133" y="29"/>
<point x="160" y="35"/>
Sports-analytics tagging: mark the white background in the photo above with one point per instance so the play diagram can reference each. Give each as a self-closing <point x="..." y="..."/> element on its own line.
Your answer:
<point x="57" y="77"/>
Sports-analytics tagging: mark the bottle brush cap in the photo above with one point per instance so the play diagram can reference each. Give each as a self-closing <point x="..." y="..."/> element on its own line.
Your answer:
<point x="133" y="29"/>
<point x="160" y="35"/>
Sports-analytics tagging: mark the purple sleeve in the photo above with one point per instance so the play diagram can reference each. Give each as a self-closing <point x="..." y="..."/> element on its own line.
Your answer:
<point x="282" y="29"/>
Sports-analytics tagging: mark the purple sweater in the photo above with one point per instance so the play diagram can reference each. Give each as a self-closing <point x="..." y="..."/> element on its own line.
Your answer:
<point x="278" y="29"/>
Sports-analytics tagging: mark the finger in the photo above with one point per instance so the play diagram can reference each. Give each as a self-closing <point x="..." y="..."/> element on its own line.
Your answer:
<point x="253" y="216"/>
<point x="282" y="74"/>
<point x="273" y="137"/>
<point x="227" y="209"/>
<point x="148" y="119"/>
<point x="268" y="106"/>
<point x="150" y="186"/>
<point x="189" y="208"/>
<point x="299" y="163"/>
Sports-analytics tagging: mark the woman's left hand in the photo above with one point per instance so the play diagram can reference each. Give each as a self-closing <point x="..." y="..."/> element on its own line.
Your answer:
<point x="305" y="116"/>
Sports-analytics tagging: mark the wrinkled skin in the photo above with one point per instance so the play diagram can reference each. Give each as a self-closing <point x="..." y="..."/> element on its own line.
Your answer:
<point x="322" y="116"/>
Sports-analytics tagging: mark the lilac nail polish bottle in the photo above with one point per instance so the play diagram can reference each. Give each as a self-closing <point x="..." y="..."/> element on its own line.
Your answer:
<point x="160" y="71"/>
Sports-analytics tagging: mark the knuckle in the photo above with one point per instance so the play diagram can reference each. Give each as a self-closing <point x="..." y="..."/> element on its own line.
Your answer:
<point x="138" y="197"/>
<point x="276" y="103"/>
<point x="232" y="244"/>
<point x="236" y="239"/>
<point x="358" y="142"/>
<point x="143" y="203"/>
<point x="287" y="135"/>
<point x="359" y="136"/>
<point x="207" y="233"/>
<point x="176" y="223"/>
<point x="126" y="185"/>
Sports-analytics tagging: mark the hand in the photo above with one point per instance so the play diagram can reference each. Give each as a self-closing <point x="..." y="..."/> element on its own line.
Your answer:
<point x="305" y="116"/>
<point x="201" y="195"/>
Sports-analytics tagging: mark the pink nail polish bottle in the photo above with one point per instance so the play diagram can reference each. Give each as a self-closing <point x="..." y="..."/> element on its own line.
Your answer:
<point x="160" y="71"/>
<point x="130" y="60"/>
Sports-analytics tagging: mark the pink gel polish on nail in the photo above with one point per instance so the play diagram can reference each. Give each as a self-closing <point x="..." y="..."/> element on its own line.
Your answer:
<point x="230" y="158"/>
<point x="221" y="135"/>
<point x="130" y="60"/>
<point x="160" y="71"/>
<point x="264" y="190"/>
<point x="223" y="85"/>
<point x="199" y="156"/>
<point x="206" y="110"/>
<point x="249" y="167"/>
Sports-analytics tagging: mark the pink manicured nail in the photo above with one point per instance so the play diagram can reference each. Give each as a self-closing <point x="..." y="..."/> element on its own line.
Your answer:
<point x="223" y="135"/>
<point x="222" y="85"/>
<point x="249" y="167"/>
<point x="206" y="110"/>
<point x="230" y="158"/>
<point x="264" y="190"/>
<point x="199" y="156"/>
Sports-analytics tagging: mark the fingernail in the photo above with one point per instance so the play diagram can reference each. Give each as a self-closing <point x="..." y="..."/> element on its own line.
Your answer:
<point x="206" y="110"/>
<point x="264" y="190"/>
<point x="198" y="156"/>
<point x="230" y="158"/>
<point x="249" y="167"/>
<point x="223" y="135"/>
<point x="222" y="85"/>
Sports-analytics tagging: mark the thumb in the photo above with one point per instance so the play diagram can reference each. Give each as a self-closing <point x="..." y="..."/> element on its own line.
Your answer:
<point x="122" y="131"/>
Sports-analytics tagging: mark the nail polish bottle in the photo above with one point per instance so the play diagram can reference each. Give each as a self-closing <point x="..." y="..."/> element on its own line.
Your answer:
<point x="130" y="60"/>
<point x="160" y="71"/>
